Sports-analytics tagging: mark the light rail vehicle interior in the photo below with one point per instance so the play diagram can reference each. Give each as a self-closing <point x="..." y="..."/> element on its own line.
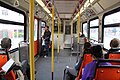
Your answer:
<point x="48" y="39"/>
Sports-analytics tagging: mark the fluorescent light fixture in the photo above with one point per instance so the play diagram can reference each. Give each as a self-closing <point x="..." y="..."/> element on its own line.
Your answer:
<point x="76" y="16"/>
<point x="44" y="7"/>
<point x="50" y="14"/>
<point x="91" y="1"/>
<point x="87" y="3"/>
<point x="81" y="10"/>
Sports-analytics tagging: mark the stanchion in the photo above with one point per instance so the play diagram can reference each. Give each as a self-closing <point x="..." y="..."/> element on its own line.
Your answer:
<point x="78" y="33"/>
<point x="52" y="41"/>
<point x="31" y="10"/>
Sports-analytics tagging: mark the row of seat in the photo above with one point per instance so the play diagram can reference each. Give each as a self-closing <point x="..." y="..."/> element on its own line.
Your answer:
<point x="3" y="59"/>
<point x="103" y="72"/>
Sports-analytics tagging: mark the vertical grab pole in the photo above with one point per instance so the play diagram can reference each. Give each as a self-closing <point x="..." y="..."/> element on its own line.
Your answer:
<point x="52" y="41"/>
<point x="78" y="35"/>
<point x="71" y="35"/>
<point x="59" y="31"/>
<point x="31" y="10"/>
<point x="58" y="47"/>
<point x="58" y="50"/>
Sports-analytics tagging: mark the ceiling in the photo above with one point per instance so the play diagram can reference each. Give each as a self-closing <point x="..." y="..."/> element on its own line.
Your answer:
<point x="66" y="8"/>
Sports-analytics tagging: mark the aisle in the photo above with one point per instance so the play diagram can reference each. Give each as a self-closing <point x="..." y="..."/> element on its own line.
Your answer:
<point x="43" y="66"/>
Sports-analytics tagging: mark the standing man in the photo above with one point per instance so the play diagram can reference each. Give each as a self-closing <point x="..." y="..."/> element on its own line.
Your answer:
<point x="46" y="37"/>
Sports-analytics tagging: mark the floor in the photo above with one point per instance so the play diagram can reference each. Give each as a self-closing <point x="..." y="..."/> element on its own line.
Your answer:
<point x="43" y="65"/>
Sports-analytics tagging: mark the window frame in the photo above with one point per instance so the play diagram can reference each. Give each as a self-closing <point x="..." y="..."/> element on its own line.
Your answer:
<point x="109" y="25"/>
<point x="37" y="26"/>
<point x="87" y="28"/>
<point x="93" y="27"/>
<point x="74" y="27"/>
<point x="2" y="4"/>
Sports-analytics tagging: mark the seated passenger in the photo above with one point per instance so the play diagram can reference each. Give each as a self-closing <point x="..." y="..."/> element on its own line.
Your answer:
<point x="114" y="44"/>
<point x="6" y="43"/>
<point x="86" y="50"/>
<point x="71" y="73"/>
<point x="96" y="53"/>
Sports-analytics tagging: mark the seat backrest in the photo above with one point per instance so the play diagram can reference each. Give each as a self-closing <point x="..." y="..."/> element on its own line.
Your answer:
<point x="10" y="76"/>
<point x="114" y="56"/>
<point x="86" y="60"/>
<point x="79" y="76"/>
<point x="108" y="73"/>
<point x="3" y="60"/>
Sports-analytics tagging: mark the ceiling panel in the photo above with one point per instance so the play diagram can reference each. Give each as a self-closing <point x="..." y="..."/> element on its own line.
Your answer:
<point x="65" y="8"/>
<point x="107" y="3"/>
<point x="97" y="8"/>
<point x="65" y="15"/>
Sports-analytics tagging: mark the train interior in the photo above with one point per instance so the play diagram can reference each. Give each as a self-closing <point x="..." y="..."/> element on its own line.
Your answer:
<point x="97" y="19"/>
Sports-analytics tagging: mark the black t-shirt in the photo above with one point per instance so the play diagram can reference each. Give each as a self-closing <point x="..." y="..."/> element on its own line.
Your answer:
<point x="47" y="35"/>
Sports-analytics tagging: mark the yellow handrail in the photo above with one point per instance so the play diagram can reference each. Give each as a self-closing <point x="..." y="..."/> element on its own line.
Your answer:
<point x="31" y="10"/>
<point x="52" y="41"/>
<point x="79" y="27"/>
<point x="58" y="50"/>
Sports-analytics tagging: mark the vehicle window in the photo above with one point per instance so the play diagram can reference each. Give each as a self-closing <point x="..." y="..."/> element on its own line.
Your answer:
<point x="14" y="32"/>
<point x="35" y="29"/>
<point x="112" y="18"/>
<point x="94" y="33"/>
<point x="6" y="14"/>
<point x="111" y="28"/>
<point x="12" y="25"/>
<point x="94" y="26"/>
<point x="85" y="29"/>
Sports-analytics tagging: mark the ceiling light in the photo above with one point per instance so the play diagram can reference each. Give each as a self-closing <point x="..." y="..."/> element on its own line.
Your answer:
<point x="87" y="3"/>
<point x="44" y="7"/>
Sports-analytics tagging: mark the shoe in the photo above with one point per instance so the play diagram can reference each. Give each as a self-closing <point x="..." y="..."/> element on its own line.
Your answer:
<point x="45" y="56"/>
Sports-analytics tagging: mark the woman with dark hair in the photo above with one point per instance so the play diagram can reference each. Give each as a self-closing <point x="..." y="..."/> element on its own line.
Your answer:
<point x="71" y="73"/>
<point x="96" y="53"/>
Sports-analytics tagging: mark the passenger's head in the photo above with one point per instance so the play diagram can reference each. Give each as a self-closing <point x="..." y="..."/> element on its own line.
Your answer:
<point x="87" y="45"/>
<point x="46" y="28"/>
<point x="114" y="43"/>
<point x="96" y="51"/>
<point x="6" y="43"/>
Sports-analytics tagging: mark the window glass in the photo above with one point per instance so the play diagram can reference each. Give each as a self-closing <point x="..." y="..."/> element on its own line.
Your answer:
<point x="113" y="18"/>
<point x="93" y="29"/>
<point x="10" y="15"/>
<point x="14" y="32"/>
<point x="109" y="34"/>
<point x="42" y="24"/>
<point x="85" y="29"/>
<point x="35" y="29"/>
<point x="43" y="27"/>
<point x="94" y="23"/>
<point x="94" y="33"/>
<point x="75" y="28"/>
